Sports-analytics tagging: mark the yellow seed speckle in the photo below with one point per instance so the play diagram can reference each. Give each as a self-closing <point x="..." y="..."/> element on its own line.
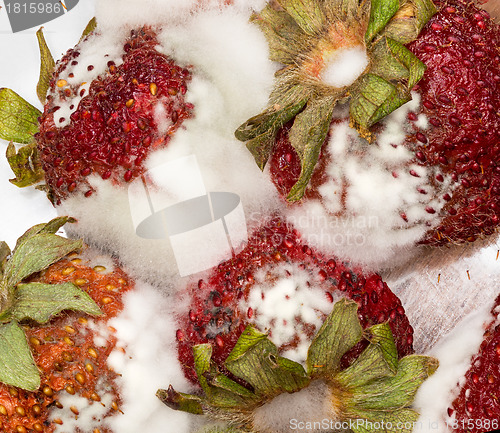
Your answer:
<point x="38" y="427"/>
<point x="20" y="411"/>
<point x="92" y="352"/>
<point x="35" y="341"/>
<point x="81" y="281"/>
<point x="129" y="103"/>
<point x="70" y="390"/>
<point x="47" y="390"/>
<point x="57" y="421"/>
<point x="110" y="287"/>
<point x="68" y="270"/>
<point x="99" y="268"/>
<point x="107" y="300"/>
<point x="80" y="378"/>
<point x="83" y="320"/>
<point x="70" y="329"/>
<point x="74" y="410"/>
<point x="61" y="83"/>
<point x="153" y="88"/>
<point x="69" y="341"/>
<point x="37" y="410"/>
<point x="77" y="261"/>
<point x="89" y="367"/>
<point x="3" y="409"/>
<point x="122" y="281"/>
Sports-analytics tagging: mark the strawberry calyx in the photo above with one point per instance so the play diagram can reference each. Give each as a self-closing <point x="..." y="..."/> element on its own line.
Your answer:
<point x="21" y="300"/>
<point x="19" y="123"/>
<point x="376" y="388"/>
<point x="309" y="38"/>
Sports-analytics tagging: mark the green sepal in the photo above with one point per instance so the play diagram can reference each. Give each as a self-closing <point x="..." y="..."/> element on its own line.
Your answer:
<point x="379" y="359"/>
<point x="218" y="380"/>
<point x="282" y="33"/>
<point x="380" y="14"/>
<point x="40" y="302"/>
<point x="415" y="67"/>
<point x="340" y="332"/>
<point x="395" y="391"/>
<point x="37" y="253"/>
<point x="90" y="27"/>
<point x="409" y="21"/>
<point x="25" y="164"/>
<point x="5" y="252"/>
<point x="375" y="99"/>
<point x="400" y="421"/>
<point x="259" y="132"/>
<point x="18" y="118"/>
<point x="386" y="65"/>
<point x="17" y="366"/>
<point x="202" y="354"/>
<point x="273" y="117"/>
<point x="307" y="135"/>
<point x="255" y="359"/>
<point x="215" y="396"/>
<point x="179" y="401"/>
<point x="47" y="65"/>
<point x="306" y="13"/>
<point x="52" y="226"/>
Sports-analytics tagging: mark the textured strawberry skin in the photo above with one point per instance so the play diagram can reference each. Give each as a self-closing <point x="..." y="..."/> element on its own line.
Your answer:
<point x="113" y="128"/>
<point x="459" y="98"/>
<point x="215" y="314"/>
<point x="459" y="92"/>
<point x="477" y="406"/>
<point x="66" y="354"/>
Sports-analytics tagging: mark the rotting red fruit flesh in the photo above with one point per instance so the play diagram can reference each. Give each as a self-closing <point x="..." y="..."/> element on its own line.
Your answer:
<point x="477" y="406"/>
<point x="221" y="307"/>
<point x="459" y="46"/>
<point x="65" y="350"/>
<point x="114" y="127"/>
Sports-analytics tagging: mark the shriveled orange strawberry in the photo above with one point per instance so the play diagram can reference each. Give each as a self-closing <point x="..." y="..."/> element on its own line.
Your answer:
<point x="63" y="309"/>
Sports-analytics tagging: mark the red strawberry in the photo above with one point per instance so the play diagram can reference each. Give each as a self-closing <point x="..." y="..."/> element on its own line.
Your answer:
<point x="69" y="350"/>
<point x="254" y="388"/>
<point x="477" y="407"/>
<point x="434" y="173"/>
<point x="279" y="283"/>
<point x="111" y="125"/>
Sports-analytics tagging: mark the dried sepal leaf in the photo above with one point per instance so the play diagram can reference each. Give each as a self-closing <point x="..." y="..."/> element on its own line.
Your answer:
<point x="47" y="65"/>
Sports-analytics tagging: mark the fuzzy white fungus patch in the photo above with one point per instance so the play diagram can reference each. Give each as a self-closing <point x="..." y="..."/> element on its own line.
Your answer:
<point x="454" y="353"/>
<point x="282" y="300"/>
<point x="374" y="205"/>
<point x="95" y="53"/>
<point x="345" y="66"/>
<point x="79" y="412"/>
<point x="146" y="331"/>
<point x="309" y="407"/>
